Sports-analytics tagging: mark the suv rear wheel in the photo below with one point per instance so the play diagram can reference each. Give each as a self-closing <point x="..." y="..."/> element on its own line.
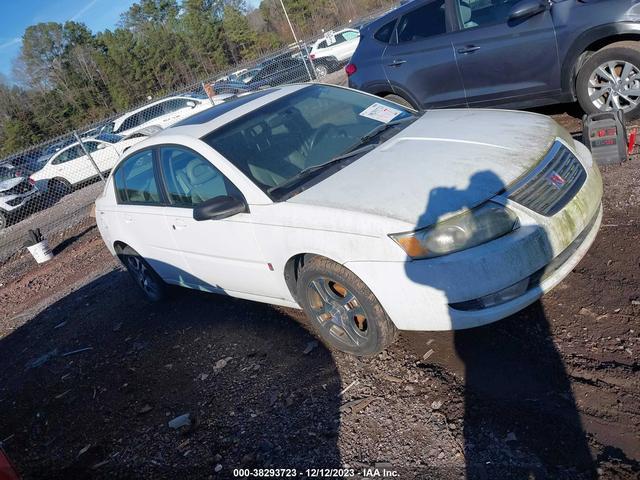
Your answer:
<point x="610" y="80"/>
<point x="342" y="309"/>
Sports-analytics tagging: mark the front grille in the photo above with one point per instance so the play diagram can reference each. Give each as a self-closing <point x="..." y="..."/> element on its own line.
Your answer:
<point x="557" y="181"/>
<point x="22" y="187"/>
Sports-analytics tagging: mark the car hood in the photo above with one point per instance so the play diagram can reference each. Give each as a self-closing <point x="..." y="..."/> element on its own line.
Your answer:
<point x="10" y="183"/>
<point x="444" y="163"/>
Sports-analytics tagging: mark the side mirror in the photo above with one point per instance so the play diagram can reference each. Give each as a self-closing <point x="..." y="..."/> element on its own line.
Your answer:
<point x="219" y="207"/>
<point x="526" y="9"/>
<point x="191" y="104"/>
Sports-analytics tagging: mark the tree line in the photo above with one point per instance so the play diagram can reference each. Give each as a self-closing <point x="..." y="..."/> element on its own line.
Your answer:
<point x="67" y="76"/>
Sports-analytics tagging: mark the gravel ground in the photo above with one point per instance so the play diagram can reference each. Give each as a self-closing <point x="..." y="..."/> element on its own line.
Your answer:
<point x="91" y="375"/>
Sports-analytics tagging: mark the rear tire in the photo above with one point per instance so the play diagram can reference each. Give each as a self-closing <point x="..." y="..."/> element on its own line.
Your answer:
<point x="152" y="286"/>
<point x="59" y="187"/>
<point x="342" y="309"/>
<point x="321" y="70"/>
<point x="600" y="85"/>
<point x="399" y="100"/>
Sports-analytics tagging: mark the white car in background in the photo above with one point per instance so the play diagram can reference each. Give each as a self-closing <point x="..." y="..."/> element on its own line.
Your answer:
<point x="333" y="50"/>
<point x="161" y="114"/>
<point x="15" y="193"/>
<point x="71" y="166"/>
<point x="369" y="216"/>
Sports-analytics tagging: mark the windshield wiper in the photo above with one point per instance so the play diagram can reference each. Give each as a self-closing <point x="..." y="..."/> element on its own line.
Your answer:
<point x="381" y="128"/>
<point x="305" y="172"/>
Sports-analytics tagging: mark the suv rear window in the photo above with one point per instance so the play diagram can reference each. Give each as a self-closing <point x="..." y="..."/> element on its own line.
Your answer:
<point x="424" y="22"/>
<point x="384" y="33"/>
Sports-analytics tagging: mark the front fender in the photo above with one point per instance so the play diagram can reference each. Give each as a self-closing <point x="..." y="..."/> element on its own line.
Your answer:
<point x="614" y="31"/>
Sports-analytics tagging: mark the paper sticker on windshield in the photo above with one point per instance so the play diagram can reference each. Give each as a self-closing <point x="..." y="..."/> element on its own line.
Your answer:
<point x="380" y="112"/>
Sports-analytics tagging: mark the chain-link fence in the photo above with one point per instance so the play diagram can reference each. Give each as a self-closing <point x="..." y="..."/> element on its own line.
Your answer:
<point x="52" y="186"/>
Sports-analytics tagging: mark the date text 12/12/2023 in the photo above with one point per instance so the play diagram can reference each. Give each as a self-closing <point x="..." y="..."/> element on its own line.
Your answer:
<point x="332" y="473"/>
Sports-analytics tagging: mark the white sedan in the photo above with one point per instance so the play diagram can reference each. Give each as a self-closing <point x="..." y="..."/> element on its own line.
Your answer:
<point x="368" y="216"/>
<point x="71" y="166"/>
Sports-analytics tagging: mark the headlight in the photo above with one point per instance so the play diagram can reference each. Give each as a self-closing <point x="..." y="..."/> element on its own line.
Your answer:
<point x="477" y="226"/>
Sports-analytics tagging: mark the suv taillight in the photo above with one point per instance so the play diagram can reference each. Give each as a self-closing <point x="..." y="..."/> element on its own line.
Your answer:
<point x="350" y="69"/>
<point x="32" y="182"/>
<point x="312" y="56"/>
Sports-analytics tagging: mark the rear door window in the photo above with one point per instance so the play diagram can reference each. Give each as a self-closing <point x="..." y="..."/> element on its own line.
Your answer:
<point x="384" y="33"/>
<point x="349" y="35"/>
<point x="91" y="146"/>
<point x="68" y="155"/>
<point x="424" y="22"/>
<point x="135" y="180"/>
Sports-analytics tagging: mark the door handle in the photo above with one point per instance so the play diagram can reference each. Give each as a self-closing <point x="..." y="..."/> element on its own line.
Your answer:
<point x="397" y="63"/>
<point x="468" y="49"/>
<point x="179" y="225"/>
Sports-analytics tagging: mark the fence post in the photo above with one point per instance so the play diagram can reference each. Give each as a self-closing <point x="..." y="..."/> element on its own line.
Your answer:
<point x="296" y="40"/>
<point x="209" y="92"/>
<point x="86" y="152"/>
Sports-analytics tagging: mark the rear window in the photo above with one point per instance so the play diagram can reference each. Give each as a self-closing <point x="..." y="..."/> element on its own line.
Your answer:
<point x="384" y="34"/>
<point x="424" y="22"/>
<point x="135" y="180"/>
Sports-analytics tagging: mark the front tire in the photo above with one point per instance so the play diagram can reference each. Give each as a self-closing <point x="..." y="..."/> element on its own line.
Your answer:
<point x="399" y="100"/>
<point x="342" y="309"/>
<point x="152" y="286"/>
<point x="610" y="79"/>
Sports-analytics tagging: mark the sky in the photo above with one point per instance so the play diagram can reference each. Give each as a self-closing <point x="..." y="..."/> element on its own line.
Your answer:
<point x="16" y="15"/>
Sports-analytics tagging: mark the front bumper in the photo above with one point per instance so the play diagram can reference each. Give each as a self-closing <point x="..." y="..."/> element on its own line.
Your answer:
<point x="418" y="295"/>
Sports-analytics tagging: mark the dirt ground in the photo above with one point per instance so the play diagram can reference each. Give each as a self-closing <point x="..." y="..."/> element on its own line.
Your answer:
<point x="91" y="375"/>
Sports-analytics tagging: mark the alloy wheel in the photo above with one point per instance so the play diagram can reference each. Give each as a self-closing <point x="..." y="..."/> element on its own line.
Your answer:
<point x="143" y="276"/>
<point x="615" y="85"/>
<point x="321" y="71"/>
<point x="338" y="311"/>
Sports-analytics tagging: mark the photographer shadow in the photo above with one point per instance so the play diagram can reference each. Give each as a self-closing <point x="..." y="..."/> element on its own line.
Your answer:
<point x="520" y="415"/>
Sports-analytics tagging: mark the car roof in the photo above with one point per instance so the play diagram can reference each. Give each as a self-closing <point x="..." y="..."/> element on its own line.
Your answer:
<point x="118" y="121"/>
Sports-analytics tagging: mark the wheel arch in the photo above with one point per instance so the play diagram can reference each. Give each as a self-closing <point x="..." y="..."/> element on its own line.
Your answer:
<point x="589" y="42"/>
<point x="293" y="267"/>
<point x="119" y="246"/>
<point x="59" y="179"/>
<point x="292" y="272"/>
<point x="400" y="92"/>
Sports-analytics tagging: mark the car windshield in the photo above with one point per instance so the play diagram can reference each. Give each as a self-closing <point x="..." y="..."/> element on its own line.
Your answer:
<point x="109" y="137"/>
<point x="108" y="128"/>
<point x="282" y="141"/>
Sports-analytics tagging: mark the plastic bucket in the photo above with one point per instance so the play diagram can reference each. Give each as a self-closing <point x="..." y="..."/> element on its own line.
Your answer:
<point x="41" y="251"/>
